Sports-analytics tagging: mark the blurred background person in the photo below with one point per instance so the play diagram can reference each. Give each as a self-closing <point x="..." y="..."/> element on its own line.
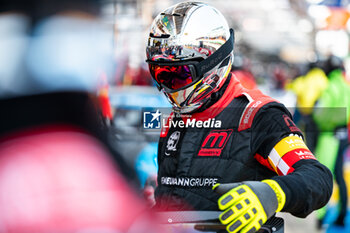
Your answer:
<point x="331" y="115"/>
<point x="308" y="88"/>
<point x="59" y="168"/>
<point x="322" y="111"/>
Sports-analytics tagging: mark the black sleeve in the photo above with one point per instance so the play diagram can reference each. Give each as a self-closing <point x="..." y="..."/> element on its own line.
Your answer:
<point x="272" y="123"/>
<point x="309" y="186"/>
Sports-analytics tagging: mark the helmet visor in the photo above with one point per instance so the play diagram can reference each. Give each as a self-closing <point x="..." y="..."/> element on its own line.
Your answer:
<point x="172" y="76"/>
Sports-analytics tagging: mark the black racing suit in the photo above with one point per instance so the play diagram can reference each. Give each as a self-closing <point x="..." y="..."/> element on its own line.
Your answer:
<point x="192" y="159"/>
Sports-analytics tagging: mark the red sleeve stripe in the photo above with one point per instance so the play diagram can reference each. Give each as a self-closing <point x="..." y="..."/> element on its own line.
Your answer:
<point x="283" y="165"/>
<point x="263" y="162"/>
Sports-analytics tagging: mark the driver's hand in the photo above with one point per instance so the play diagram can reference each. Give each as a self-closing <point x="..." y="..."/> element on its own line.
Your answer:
<point x="248" y="205"/>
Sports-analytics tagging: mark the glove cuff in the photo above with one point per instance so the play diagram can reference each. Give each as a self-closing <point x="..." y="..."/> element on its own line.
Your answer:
<point x="281" y="196"/>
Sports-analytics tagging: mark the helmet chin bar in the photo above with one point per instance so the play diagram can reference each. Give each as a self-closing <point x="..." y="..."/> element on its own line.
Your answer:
<point x="186" y="107"/>
<point x="179" y="107"/>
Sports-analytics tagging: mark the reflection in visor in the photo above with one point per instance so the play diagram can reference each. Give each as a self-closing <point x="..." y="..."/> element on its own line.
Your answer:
<point x="173" y="77"/>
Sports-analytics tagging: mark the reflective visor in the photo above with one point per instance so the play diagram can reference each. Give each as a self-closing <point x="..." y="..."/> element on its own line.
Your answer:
<point x="173" y="77"/>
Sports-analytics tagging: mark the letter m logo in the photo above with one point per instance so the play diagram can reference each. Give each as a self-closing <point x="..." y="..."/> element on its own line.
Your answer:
<point x="214" y="142"/>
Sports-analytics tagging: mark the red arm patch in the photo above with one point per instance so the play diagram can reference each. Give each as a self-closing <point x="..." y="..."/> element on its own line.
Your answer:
<point x="287" y="152"/>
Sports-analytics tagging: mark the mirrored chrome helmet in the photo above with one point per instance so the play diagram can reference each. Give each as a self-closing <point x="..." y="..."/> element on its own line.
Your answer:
<point x="190" y="52"/>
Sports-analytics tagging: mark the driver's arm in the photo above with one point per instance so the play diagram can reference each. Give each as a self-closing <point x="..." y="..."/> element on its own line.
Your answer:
<point x="307" y="183"/>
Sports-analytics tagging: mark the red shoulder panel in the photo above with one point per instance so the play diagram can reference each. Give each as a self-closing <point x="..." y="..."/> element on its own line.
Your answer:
<point x="256" y="101"/>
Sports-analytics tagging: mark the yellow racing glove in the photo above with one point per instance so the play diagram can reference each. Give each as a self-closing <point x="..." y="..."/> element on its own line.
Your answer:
<point x="248" y="205"/>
